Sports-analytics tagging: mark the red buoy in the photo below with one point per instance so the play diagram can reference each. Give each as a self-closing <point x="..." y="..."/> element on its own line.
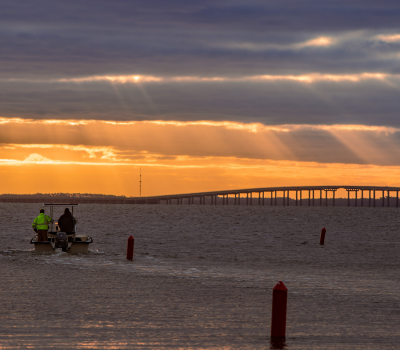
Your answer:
<point x="129" y="252"/>
<point x="322" y="238"/>
<point x="279" y="306"/>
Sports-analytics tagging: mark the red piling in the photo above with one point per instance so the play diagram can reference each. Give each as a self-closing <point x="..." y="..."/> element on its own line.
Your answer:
<point x="129" y="252"/>
<point x="279" y="306"/>
<point x="322" y="237"/>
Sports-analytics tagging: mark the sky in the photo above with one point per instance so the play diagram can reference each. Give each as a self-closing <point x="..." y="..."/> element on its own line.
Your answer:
<point x="197" y="95"/>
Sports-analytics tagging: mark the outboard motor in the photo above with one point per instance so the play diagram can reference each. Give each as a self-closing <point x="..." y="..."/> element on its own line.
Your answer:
<point x="62" y="241"/>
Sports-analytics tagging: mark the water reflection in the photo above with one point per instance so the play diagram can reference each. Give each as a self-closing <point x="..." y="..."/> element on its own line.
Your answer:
<point x="168" y="298"/>
<point x="278" y="343"/>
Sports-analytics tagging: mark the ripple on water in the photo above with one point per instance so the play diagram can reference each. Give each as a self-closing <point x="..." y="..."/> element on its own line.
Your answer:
<point x="202" y="277"/>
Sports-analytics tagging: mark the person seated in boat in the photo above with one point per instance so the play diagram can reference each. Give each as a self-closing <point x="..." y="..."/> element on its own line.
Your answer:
<point x="41" y="226"/>
<point x="67" y="222"/>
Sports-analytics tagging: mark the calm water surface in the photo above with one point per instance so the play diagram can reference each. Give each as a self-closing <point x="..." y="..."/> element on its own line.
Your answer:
<point x="202" y="278"/>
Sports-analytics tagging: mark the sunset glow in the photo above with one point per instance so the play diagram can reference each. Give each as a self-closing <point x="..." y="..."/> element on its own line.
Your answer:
<point x="308" y="78"/>
<point x="321" y="41"/>
<point x="246" y="154"/>
<point x="205" y="97"/>
<point x="192" y="175"/>
<point x="389" y="38"/>
<point x="173" y="173"/>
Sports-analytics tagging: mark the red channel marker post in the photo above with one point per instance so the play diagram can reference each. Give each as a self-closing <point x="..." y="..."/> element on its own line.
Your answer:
<point x="129" y="252"/>
<point x="279" y="307"/>
<point x="322" y="237"/>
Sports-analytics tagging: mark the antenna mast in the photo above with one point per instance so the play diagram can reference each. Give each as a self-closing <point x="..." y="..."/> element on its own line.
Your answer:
<point x="140" y="183"/>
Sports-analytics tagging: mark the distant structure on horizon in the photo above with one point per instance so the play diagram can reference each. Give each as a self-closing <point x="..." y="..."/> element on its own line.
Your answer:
<point x="235" y="197"/>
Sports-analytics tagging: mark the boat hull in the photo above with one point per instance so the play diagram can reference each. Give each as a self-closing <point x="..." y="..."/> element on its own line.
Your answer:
<point x="76" y="245"/>
<point x="79" y="248"/>
<point x="43" y="247"/>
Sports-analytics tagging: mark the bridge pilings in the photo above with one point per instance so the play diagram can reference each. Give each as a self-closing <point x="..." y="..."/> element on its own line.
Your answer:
<point x="282" y="197"/>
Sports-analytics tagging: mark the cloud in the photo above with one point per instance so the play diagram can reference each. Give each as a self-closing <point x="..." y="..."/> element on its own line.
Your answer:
<point x="142" y="79"/>
<point x="269" y="62"/>
<point x="321" y="41"/>
<point x="175" y="84"/>
<point x="181" y="38"/>
<point x="37" y="158"/>
<point x="389" y="38"/>
<point x="262" y="46"/>
<point x="160" y="143"/>
<point x="365" y="99"/>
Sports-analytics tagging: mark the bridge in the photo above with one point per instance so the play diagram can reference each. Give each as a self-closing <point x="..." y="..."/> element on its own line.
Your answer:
<point x="368" y="196"/>
<point x="364" y="196"/>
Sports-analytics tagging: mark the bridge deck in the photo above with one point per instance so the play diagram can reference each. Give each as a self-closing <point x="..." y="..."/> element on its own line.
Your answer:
<point x="235" y="197"/>
<point x="215" y="195"/>
<point x="274" y="189"/>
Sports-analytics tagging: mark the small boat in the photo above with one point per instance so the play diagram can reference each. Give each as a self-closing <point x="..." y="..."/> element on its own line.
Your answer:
<point x="70" y="242"/>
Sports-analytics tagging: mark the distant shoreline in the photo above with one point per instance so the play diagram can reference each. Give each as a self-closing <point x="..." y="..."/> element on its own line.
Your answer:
<point x="68" y="198"/>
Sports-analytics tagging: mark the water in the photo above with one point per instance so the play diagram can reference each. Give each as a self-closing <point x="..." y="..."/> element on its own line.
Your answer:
<point x="202" y="278"/>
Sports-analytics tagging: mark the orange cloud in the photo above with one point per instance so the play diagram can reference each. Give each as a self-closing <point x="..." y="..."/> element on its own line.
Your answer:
<point x="320" y="41"/>
<point x="176" y="156"/>
<point x="305" y="78"/>
<point x="158" y="141"/>
<point x="261" y="46"/>
<point x="390" y="38"/>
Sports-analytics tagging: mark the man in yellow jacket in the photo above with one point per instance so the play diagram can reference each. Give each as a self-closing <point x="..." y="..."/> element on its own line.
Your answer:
<point x="41" y="226"/>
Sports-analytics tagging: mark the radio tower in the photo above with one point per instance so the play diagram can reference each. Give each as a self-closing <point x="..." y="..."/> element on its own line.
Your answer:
<point x="140" y="183"/>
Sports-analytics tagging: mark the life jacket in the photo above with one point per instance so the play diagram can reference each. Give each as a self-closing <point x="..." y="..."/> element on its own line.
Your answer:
<point x="42" y="222"/>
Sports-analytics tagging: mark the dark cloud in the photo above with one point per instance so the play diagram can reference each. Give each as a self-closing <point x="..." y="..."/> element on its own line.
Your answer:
<point x="44" y="38"/>
<point x="368" y="102"/>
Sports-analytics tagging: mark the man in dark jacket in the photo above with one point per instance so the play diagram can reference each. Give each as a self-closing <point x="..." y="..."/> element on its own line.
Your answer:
<point x="67" y="222"/>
